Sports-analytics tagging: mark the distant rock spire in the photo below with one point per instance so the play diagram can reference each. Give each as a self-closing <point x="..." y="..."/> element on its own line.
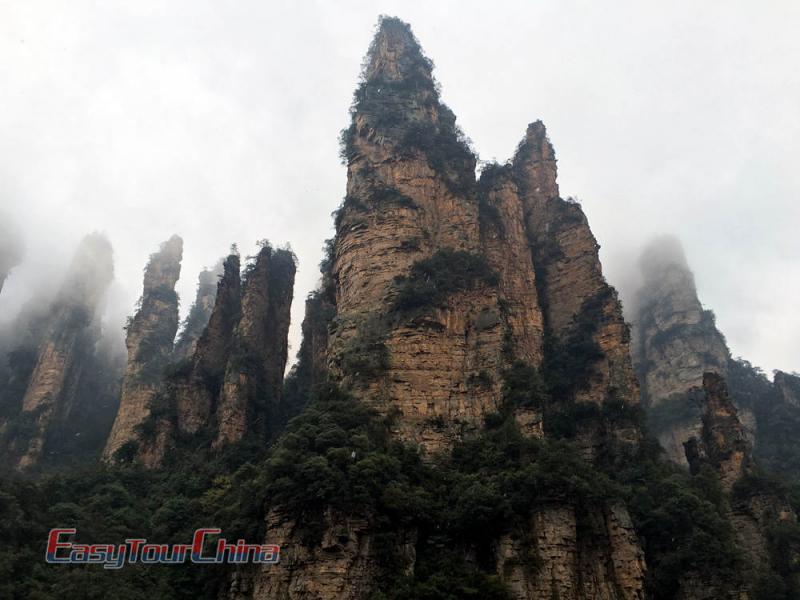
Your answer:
<point x="676" y="342"/>
<point x="48" y="400"/>
<point x="199" y="313"/>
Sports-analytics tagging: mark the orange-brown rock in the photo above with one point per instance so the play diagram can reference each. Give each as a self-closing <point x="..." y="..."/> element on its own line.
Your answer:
<point x="342" y="565"/>
<point x="433" y="353"/>
<point x="150" y="335"/>
<point x="723" y="443"/>
<point x="49" y="398"/>
<point x="578" y="305"/>
<point x="406" y="200"/>
<point x="587" y="556"/>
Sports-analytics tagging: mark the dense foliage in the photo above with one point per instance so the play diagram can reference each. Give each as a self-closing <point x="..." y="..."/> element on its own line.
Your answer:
<point x="432" y="280"/>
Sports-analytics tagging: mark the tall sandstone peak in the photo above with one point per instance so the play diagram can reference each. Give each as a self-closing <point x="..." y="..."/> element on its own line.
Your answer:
<point x="199" y="313"/>
<point x="150" y="335"/>
<point x="71" y="332"/>
<point x="676" y="341"/>
<point x="187" y="397"/>
<point x="251" y="393"/>
<point x="442" y="284"/>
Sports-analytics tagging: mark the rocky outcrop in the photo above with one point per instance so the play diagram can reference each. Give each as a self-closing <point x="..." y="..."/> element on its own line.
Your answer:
<point x="251" y="393"/>
<point x="411" y="198"/>
<point x="342" y="565"/>
<point x="676" y="342"/>
<point x="150" y="336"/>
<point x="579" y="556"/>
<point x="311" y="367"/>
<point x="230" y="388"/>
<point x="440" y="283"/>
<point x="755" y="506"/>
<point x="196" y="393"/>
<point x="199" y="313"/>
<point x="579" y="306"/>
<point x="70" y="335"/>
<point x="723" y="444"/>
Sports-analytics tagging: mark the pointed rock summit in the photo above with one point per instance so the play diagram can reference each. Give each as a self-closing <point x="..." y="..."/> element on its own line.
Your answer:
<point x="150" y="335"/>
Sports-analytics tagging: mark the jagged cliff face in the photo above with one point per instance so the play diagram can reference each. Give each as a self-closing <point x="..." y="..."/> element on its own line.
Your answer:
<point x="406" y="200"/>
<point x="755" y="510"/>
<point x="150" y="336"/>
<point x="68" y="340"/>
<point x="199" y="314"/>
<point x="440" y="284"/>
<point x="230" y="387"/>
<point x="676" y="342"/>
<point x="722" y="443"/>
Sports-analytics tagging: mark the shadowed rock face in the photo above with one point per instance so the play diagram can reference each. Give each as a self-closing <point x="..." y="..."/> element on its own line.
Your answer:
<point x="787" y="387"/>
<point x="250" y="397"/>
<point x="230" y="387"/>
<point x="69" y="338"/>
<point x="580" y="308"/>
<point x="722" y="443"/>
<point x="151" y="333"/>
<point x="439" y="283"/>
<point x="199" y="314"/>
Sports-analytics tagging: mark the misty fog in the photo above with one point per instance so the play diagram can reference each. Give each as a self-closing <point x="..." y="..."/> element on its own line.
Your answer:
<point x="220" y="122"/>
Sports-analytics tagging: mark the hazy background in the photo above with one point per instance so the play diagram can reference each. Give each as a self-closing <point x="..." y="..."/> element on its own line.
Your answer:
<point x="219" y="121"/>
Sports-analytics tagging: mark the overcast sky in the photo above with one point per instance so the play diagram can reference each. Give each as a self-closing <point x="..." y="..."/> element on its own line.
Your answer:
<point x="219" y="121"/>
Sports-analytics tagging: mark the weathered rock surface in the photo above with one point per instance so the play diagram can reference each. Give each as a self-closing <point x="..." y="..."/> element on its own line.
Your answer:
<point x="251" y="393"/>
<point x="406" y="200"/>
<point x="723" y="445"/>
<point x="150" y="335"/>
<point x="675" y="342"/>
<point x="587" y="556"/>
<point x="436" y="362"/>
<point x="342" y="565"/>
<point x="579" y="307"/>
<point x="70" y="336"/>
